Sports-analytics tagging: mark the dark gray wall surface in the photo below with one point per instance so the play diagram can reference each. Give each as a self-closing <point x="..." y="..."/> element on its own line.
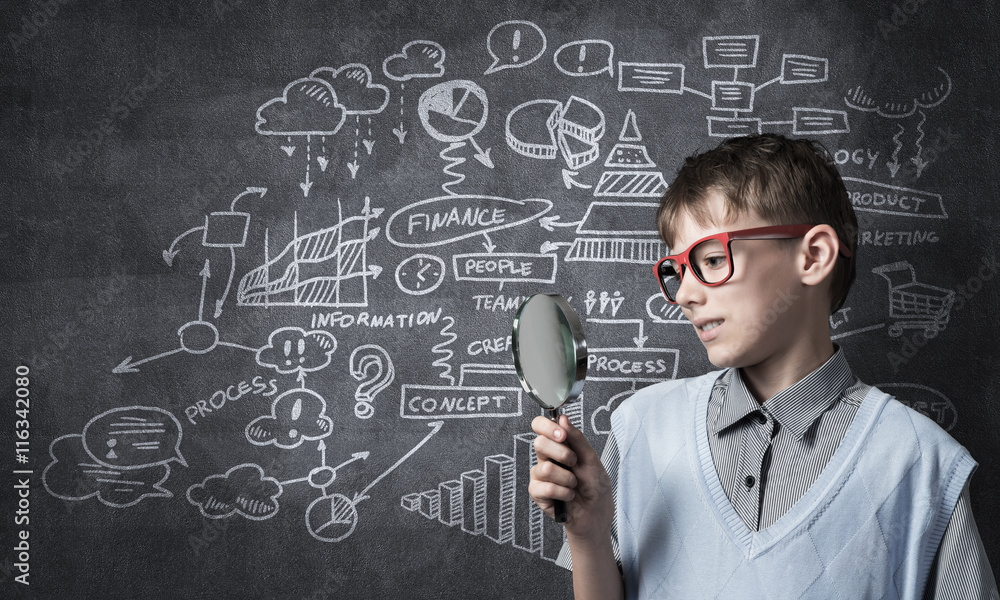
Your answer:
<point x="306" y="392"/>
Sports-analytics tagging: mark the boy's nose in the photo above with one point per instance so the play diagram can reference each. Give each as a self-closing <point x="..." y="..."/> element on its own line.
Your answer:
<point x="690" y="291"/>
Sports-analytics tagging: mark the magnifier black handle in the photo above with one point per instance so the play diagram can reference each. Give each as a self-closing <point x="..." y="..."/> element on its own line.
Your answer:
<point x="558" y="506"/>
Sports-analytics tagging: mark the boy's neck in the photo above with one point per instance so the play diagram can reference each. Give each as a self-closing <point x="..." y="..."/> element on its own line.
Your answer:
<point x="783" y="370"/>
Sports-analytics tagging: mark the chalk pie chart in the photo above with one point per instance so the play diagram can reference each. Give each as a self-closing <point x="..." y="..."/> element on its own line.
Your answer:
<point x="453" y="111"/>
<point x="331" y="518"/>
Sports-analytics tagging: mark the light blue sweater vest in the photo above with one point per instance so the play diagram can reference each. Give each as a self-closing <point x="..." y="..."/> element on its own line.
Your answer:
<point x="869" y="526"/>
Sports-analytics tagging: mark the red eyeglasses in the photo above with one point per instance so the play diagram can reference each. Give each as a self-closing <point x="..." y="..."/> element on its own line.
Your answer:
<point x="711" y="258"/>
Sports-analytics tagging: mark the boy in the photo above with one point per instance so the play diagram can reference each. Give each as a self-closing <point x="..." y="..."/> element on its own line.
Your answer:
<point x="783" y="475"/>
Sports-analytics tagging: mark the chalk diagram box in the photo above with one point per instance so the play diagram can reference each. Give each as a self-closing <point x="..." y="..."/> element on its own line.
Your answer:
<point x="225" y="229"/>
<point x="733" y="126"/>
<point x="730" y="51"/>
<point x="653" y="78"/>
<point x="732" y="95"/>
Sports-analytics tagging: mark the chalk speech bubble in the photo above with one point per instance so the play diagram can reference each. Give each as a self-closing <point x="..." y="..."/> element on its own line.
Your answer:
<point x="585" y="58"/>
<point x="134" y="437"/>
<point x="72" y="475"/>
<point x="514" y="44"/>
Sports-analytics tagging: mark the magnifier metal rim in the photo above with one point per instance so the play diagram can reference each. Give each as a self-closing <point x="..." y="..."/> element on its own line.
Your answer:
<point x="579" y="350"/>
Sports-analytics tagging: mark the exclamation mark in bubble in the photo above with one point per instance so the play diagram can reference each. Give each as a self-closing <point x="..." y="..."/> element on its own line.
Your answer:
<point x="296" y="413"/>
<point x="516" y="44"/>
<point x="583" y="57"/>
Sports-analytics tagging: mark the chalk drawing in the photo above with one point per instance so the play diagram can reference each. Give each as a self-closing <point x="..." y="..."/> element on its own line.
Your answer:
<point x="514" y="45"/>
<point x="914" y="305"/>
<point x="585" y="58"/>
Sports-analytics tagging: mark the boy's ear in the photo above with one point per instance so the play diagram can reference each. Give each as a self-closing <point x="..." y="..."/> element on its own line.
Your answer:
<point x="818" y="256"/>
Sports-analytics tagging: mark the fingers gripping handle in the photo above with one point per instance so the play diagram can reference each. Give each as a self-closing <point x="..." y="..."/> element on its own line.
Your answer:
<point x="558" y="506"/>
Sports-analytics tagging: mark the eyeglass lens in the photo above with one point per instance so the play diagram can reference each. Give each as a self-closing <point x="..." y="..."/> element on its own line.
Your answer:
<point x="709" y="261"/>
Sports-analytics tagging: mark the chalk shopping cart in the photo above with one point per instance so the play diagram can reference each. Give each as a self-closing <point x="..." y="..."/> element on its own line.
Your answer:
<point x="914" y="305"/>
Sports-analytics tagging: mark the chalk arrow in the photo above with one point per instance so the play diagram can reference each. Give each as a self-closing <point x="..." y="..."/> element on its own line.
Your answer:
<point x="919" y="163"/>
<point x="288" y="150"/>
<point x="305" y="187"/>
<point x="369" y="144"/>
<point x="374" y="271"/>
<point x="353" y="168"/>
<point x="171" y="252"/>
<point x="552" y="246"/>
<point x="127" y="366"/>
<point x="488" y="244"/>
<point x="363" y="494"/>
<point x="481" y="155"/>
<point x="400" y="133"/>
<point x="205" y="273"/>
<point x="323" y="162"/>
<point x="570" y="183"/>
<point x="893" y="167"/>
<point x="550" y="223"/>
<point x="249" y="190"/>
<point x="229" y="282"/>
<point x="640" y="341"/>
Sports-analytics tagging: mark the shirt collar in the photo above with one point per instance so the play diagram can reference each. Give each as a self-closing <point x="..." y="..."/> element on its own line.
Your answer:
<point x="796" y="407"/>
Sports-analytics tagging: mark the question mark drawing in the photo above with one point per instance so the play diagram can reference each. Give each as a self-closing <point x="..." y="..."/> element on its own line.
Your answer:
<point x="371" y="365"/>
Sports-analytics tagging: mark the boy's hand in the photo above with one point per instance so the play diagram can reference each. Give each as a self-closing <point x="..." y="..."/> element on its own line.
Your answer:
<point x="585" y="485"/>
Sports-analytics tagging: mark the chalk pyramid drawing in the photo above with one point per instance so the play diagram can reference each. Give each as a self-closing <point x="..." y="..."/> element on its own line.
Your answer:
<point x="628" y="162"/>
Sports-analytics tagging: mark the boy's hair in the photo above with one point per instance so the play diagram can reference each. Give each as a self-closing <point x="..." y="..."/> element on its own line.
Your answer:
<point x="784" y="181"/>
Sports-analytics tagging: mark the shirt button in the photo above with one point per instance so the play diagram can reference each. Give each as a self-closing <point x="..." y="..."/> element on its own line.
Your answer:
<point x="761" y="418"/>
<point x="750" y="481"/>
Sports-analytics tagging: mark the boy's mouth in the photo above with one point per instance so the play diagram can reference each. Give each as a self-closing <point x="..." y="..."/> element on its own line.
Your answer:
<point x="708" y="325"/>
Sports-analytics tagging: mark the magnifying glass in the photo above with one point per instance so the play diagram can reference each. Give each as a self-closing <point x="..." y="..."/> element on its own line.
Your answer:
<point x="550" y="357"/>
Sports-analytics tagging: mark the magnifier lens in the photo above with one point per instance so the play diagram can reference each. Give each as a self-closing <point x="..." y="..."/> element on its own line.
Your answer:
<point x="547" y="353"/>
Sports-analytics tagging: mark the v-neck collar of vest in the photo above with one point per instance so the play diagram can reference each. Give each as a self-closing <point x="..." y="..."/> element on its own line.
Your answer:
<point x="754" y="543"/>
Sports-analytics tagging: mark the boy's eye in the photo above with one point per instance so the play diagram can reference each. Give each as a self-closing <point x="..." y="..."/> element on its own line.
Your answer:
<point x="715" y="262"/>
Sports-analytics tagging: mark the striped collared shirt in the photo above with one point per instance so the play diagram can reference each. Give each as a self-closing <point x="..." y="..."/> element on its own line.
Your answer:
<point x="785" y="443"/>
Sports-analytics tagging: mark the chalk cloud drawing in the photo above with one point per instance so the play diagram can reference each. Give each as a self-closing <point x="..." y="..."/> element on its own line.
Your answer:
<point x="243" y="490"/>
<point x="297" y="415"/>
<point x="418" y="59"/>
<point x="295" y="350"/>
<point x="514" y="44"/>
<point x="307" y="106"/>
<point x="926" y="90"/>
<point x="899" y="100"/>
<point x="354" y="88"/>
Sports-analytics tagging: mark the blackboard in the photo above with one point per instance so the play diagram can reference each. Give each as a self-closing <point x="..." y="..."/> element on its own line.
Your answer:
<point x="261" y="259"/>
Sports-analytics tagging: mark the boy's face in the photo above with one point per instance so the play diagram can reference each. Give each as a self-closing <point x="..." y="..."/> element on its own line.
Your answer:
<point x="753" y="317"/>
